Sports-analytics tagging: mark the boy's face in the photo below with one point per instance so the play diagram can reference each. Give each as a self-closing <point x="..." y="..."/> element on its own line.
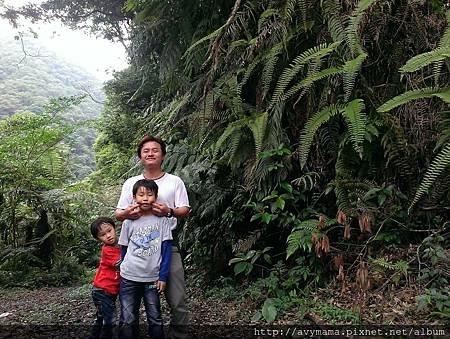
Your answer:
<point x="144" y="198"/>
<point x="107" y="234"/>
<point x="151" y="154"/>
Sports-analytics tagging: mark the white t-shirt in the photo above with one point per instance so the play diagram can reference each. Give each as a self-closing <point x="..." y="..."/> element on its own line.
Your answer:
<point x="171" y="191"/>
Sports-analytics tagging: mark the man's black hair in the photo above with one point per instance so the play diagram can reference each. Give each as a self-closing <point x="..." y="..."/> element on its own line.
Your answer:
<point x="148" y="138"/>
<point x="148" y="184"/>
<point x="96" y="225"/>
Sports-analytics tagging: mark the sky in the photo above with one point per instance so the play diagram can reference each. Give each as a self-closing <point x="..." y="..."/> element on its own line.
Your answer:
<point x="98" y="56"/>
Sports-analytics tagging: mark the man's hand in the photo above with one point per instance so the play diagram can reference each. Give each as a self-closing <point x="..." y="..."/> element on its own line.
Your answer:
<point x="160" y="209"/>
<point x="131" y="212"/>
<point x="160" y="286"/>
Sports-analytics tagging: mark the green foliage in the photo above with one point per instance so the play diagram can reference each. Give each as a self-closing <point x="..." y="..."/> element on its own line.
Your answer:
<point x="30" y="82"/>
<point x="333" y="314"/>
<point x="244" y="263"/>
<point x="288" y="74"/>
<point x="437" y="167"/>
<point x="437" y="300"/>
<point x="415" y="95"/>
<point x="355" y="118"/>
<point x="395" y="270"/>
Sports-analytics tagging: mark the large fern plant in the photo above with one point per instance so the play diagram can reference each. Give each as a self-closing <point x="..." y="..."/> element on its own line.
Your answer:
<point x="434" y="58"/>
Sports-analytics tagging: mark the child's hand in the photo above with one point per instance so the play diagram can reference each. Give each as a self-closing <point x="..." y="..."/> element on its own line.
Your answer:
<point x="160" y="286"/>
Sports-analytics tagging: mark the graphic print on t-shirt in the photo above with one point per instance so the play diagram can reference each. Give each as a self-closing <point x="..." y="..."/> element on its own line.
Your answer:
<point x="146" y="240"/>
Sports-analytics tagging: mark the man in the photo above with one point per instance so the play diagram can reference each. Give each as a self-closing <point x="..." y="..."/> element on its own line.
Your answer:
<point x="172" y="202"/>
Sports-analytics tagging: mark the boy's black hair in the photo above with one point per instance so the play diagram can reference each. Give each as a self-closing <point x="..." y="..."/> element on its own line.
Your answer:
<point x="148" y="184"/>
<point x="96" y="225"/>
<point x="148" y="138"/>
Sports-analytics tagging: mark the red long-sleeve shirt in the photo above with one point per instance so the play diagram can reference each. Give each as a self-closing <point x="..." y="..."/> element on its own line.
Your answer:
<point x="108" y="275"/>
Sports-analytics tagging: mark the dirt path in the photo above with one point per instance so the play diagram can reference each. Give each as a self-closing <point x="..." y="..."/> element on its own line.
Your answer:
<point x="69" y="312"/>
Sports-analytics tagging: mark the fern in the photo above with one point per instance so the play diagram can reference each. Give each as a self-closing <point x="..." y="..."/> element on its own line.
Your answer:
<point x="307" y="181"/>
<point x="311" y="127"/>
<point x="209" y="37"/>
<point x="437" y="167"/>
<point x="256" y="124"/>
<point x="289" y="9"/>
<point x="296" y="66"/>
<point x="311" y="79"/>
<point x="258" y="128"/>
<point x="265" y="16"/>
<point x="425" y="59"/>
<point x="269" y="66"/>
<point x="356" y="120"/>
<point x="351" y="69"/>
<point x="233" y="127"/>
<point x="417" y="94"/>
<point x="352" y="114"/>
<point x="400" y="266"/>
<point x="300" y="237"/>
<point x="331" y="10"/>
<point x="352" y="28"/>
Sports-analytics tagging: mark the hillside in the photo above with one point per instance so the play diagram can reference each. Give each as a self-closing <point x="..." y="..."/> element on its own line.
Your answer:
<point x="30" y="75"/>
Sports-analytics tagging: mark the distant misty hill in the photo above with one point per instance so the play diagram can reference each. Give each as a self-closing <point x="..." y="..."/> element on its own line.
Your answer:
<point x="27" y="82"/>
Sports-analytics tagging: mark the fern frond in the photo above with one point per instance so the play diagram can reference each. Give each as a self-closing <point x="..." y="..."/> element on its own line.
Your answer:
<point x="232" y="151"/>
<point x="331" y="11"/>
<point x="422" y="93"/>
<point x="311" y="79"/>
<point x="445" y="40"/>
<point x="307" y="181"/>
<point x="352" y="28"/>
<point x="231" y="129"/>
<point x="351" y="69"/>
<point x="311" y="127"/>
<point x="258" y="128"/>
<point x="248" y="72"/>
<point x="209" y="37"/>
<point x="297" y="64"/>
<point x="356" y="120"/>
<point x="270" y="61"/>
<point x="300" y="237"/>
<point x="425" y="59"/>
<point x="289" y="9"/>
<point x="437" y="167"/>
<point x="265" y="16"/>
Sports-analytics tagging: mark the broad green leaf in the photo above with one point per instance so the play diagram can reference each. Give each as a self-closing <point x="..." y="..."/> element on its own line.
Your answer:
<point x="235" y="260"/>
<point x="240" y="267"/>
<point x="269" y="311"/>
<point x="266" y="217"/>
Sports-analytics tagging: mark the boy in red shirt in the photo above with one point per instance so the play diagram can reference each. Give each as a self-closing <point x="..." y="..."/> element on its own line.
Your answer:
<point x="107" y="279"/>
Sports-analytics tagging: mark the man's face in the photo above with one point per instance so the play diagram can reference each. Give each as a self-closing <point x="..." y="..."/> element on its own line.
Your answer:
<point x="151" y="154"/>
<point x="144" y="198"/>
<point x="107" y="234"/>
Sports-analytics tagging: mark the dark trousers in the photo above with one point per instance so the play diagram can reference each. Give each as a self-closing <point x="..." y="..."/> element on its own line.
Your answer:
<point x="130" y="295"/>
<point x="105" y="316"/>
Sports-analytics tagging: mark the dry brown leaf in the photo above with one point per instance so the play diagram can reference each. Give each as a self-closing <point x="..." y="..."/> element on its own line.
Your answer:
<point x="338" y="261"/>
<point x="347" y="231"/>
<point x="322" y="221"/>
<point x="341" y="217"/>
<point x="362" y="277"/>
<point x="365" y="222"/>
